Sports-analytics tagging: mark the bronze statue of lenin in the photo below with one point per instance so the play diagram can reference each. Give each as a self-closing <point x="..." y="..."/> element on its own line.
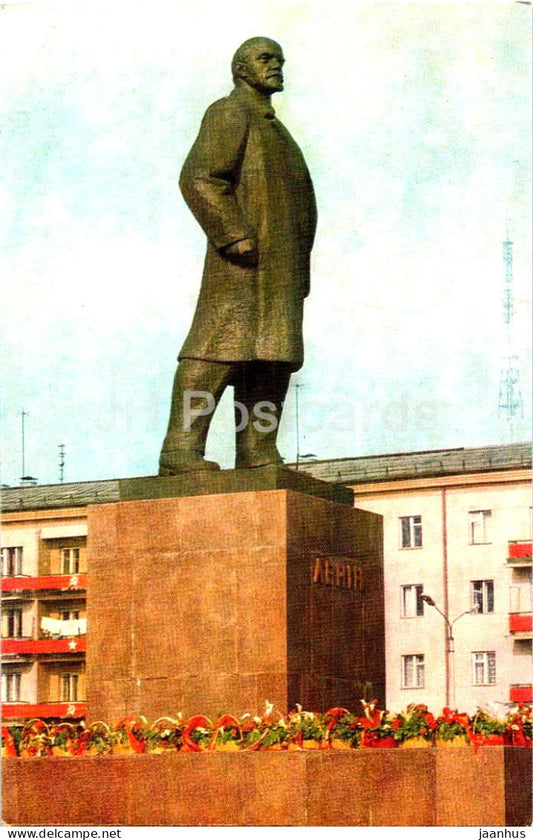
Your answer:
<point x="247" y="184"/>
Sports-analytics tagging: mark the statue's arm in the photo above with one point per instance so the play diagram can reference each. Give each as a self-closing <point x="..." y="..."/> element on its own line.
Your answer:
<point x="211" y="171"/>
<point x="309" y="229"/>
<point x="313" y="215"/>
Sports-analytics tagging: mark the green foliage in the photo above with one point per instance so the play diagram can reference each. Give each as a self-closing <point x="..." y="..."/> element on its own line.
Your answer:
<point x="415" y="722"/>
<point x="201" y="736"/>
<point x="169" y="738"/>
<point x="272" y="730"/>
<point x="310" y="726"/>
<point x="252" y="736"/>
<point x="485" y="725"/>
<point x="276" y="734"/>
<point x="226" y="734"/>
<point x="448" y="731"/>
<point x="347" y="729"/>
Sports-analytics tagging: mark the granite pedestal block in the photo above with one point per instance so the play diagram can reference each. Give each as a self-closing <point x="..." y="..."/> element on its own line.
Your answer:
<point x="455" y="786"/>
<point x="216" y="603"/>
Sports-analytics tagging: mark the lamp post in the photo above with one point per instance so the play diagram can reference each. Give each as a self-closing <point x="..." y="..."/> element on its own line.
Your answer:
<point x="450" y="649"/>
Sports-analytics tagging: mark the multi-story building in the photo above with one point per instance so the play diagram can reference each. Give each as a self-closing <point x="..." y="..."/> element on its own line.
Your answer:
<point x="44" y="581"/>
<point x="457" y="553"/>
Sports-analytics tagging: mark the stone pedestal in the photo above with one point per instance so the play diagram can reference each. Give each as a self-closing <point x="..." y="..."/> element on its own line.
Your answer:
<point x="429" y="787"/>
<point x="215" y="603"/>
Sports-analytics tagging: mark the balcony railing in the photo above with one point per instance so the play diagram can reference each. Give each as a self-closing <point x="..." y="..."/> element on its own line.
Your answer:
<point x="61" y="583"/>
<point x="519" y="552"/>
<point x="37" y="646"/>
<point x="12" y="711"/>
<point x="521" y="623"/>
<point x="521" y="693"/>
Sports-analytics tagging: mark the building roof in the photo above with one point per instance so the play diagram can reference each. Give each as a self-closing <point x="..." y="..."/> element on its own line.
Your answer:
<point x="364" y="469"/>
<point x="77" y="494"/>
<point x="435" y="462"/>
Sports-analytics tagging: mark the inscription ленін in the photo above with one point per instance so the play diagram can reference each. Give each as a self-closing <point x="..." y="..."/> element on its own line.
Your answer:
<point x="343" y="573"/>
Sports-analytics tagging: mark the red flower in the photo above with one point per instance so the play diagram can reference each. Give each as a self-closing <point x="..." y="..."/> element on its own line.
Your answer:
<point x="193" y="723"/>
<point x="9" y="742"/>
<point x="333" y="716"/>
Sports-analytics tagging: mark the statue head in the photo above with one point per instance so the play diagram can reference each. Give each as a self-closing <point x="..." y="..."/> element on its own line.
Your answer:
<point x="258" y="63"/>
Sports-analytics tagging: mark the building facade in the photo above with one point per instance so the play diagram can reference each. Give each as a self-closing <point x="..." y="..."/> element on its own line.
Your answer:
<point x="457" y="555"/>
<point x="44" y="582"/>
<point x="457" y="562"/>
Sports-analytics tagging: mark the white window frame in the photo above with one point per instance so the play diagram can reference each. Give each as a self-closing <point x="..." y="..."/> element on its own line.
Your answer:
<point x="69" y="682"/>
<point x="11" y="683"/>
<point x="411" y="604"/>
<point x="413" y="670"/>
<point x="414" y="538"/>
<point x="13" y="616"/>
<point x="482" y="592"/>
<point x="484" y="667"/>
<point x="478" y="526"/>
<point x="70" y="561"/>
<point x="12" y="561"/>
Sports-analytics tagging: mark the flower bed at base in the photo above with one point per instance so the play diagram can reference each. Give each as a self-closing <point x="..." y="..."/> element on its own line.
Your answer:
<point x="337" y="729"/>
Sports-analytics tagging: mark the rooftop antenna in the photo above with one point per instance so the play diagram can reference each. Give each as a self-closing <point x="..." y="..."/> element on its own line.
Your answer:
<point x="27" y="480"/>
<point x="61" y="448"/>
<point x="23" y="415"/>
<point x="510" y="398"/>
<point x="297" y="402"/>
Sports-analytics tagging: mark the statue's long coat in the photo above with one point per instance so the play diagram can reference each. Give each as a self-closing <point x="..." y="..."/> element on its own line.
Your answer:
<point x="246" y="178"/>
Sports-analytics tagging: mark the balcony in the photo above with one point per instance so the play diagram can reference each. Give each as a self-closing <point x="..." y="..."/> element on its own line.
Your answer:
<point x="16" y="711"/>
<point x="51" y="583"/>
<point x="520" y="624"/>
<point x="33" y="647"/>
<point x="521" y="693"/>
<point x="519" y="553"/>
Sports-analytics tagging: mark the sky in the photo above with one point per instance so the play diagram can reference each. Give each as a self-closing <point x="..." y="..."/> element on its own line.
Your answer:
<point x="414" y="121"/>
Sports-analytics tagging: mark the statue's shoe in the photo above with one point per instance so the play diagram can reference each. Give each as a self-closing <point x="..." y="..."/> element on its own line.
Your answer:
<point x="258" y="459"/>
<point x="184" y="462"/>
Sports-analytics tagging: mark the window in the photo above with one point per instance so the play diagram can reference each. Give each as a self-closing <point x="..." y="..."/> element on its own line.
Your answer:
<point x="478" y="526"/>
<point x="12" y="623"/>
<point x="70" y="561"/>
<point x="12" y="561"/>
<point x="10" y="688"/>
<point x="69" y="688"/>
<point x="484" y="667"/>
<point x="413" y="670"/>
<point x="411" y="531"/>
<point x="483" y="595"/>
<point x="412" y="603"/>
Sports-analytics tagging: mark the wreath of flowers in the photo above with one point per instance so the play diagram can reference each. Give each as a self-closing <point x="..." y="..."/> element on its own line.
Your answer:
<point x="338" y="728"/>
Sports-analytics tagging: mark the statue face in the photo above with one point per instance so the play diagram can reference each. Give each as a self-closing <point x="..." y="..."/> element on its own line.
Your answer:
<point x="262" y="67"/>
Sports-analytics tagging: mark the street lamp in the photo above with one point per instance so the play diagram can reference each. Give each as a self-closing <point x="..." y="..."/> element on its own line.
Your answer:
<point x="450" y="649"/>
